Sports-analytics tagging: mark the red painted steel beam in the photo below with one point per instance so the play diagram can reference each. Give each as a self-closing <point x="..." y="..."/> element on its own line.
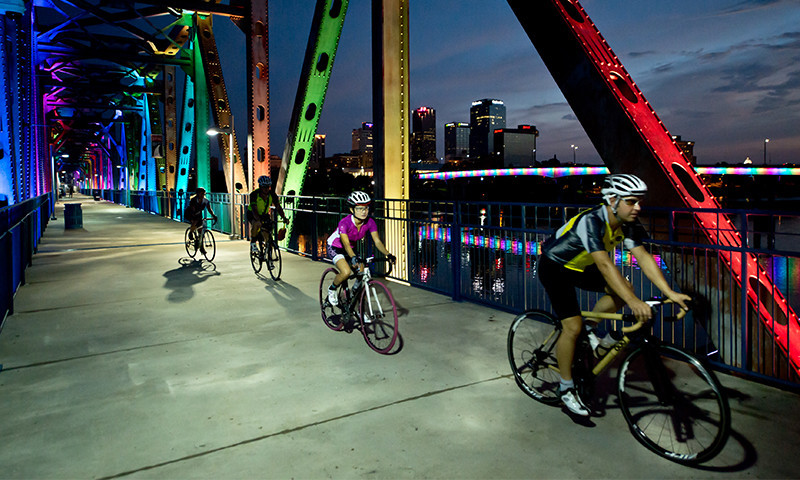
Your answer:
<point x="631" y="138"/>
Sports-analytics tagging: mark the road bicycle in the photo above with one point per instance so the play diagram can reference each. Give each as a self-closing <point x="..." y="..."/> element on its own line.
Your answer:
<point x="202" y="240"/>
<point x="673" y="404"/>
<point x="368" y="306"/>
<point x="268" y="252"/>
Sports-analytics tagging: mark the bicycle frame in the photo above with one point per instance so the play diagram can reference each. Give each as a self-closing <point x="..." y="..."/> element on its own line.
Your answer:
<point x="364" y="276"/>
<point x="623" y="344"/>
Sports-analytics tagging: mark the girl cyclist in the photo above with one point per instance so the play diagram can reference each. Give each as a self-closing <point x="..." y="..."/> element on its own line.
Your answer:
<point x="351" y="229"/>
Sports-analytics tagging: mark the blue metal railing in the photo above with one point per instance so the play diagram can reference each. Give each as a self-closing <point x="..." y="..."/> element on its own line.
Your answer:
<point x="21" y="227"/>
<point x="485" y="252"/>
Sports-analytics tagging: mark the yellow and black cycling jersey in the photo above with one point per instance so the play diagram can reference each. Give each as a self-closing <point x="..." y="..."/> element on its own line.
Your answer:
<point x="587" y="232"/>
<point x="259" y="205"/>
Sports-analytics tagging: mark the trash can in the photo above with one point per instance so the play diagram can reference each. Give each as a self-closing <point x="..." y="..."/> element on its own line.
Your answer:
<point x="73" y="216"/>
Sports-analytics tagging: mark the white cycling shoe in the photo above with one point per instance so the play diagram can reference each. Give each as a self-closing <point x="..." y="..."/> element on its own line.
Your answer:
<point x="573" y="402"/>
<point x="333" y="297"/>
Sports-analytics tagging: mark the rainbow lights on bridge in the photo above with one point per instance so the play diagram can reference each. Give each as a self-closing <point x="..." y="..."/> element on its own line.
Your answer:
<point x="555" y="172"/>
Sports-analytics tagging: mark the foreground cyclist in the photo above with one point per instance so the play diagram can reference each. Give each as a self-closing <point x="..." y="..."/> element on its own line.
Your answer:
<point x="351" y="229"/>
<point x="193" y="212"/>
<point x="261" y="200"/>
<point x="578" y="256"/>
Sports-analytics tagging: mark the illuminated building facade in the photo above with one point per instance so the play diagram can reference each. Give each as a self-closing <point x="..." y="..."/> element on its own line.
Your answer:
<point x="423" y="135"/>
<point x="363" y="145"/>
<point x="485" y="116"/>
<point x="456" y="141"/>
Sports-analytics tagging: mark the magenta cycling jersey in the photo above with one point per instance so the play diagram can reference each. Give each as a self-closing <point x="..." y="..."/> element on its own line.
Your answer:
<point x="347" y="226"/>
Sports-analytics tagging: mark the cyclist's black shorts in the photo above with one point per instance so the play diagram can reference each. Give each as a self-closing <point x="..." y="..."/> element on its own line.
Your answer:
<point x="333" y="252"/>
<point x="560" y="284"/>
<point x="265" y="219"/>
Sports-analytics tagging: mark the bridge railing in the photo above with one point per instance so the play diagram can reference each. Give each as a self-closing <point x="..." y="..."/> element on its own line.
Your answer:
<point x="21" y="227"/>
<point x="486" y="252"/>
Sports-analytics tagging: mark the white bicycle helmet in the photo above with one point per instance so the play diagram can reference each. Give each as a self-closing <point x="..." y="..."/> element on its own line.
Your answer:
<point x="264" y="181"/>
<point x="358" y="198"/>
<point x="623" y="185"/>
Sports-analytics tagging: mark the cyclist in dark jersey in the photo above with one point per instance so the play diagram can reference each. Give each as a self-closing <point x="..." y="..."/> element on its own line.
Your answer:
<point x="193" y="212"/>
<point x="578" y="255"/>
<point x="258" y="215"/>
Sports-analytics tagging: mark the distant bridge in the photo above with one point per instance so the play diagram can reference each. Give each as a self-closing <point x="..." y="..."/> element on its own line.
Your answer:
<point x="554" y="172"/>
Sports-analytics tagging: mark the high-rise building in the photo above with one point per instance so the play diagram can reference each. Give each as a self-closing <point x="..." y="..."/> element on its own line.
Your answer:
<point x="317" y="151"/>
<point x="688" y="148"/>
<point x="485" y="116"/>
<point x="516" y="147"/>
<point x="362" y="144"/>
<point x="423" y="135"/>
<point x="456" y="141"/>
<point x="362" y="138"/>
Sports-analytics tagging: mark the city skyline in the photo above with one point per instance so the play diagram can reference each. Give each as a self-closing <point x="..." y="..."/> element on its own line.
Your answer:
<point x="724" y="76"/>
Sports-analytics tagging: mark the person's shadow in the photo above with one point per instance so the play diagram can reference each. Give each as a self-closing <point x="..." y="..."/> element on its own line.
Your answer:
<point x="181" y="280"/>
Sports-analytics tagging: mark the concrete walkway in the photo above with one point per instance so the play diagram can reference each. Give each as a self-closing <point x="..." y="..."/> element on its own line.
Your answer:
<point x="124" y="358"/>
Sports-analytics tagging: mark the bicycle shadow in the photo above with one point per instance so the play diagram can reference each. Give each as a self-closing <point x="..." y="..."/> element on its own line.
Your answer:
<point x="286" y="294"/>
<point x="605" y="398"/>
<point x="181" y="280"/>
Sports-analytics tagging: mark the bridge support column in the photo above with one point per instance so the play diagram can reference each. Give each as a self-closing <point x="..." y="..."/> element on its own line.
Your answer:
<point x="390" y="90"/>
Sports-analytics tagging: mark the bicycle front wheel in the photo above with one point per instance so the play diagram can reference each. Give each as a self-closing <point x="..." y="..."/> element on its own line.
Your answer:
<point x="255" y="257"/>
<point x="673" y="405"/>
<point x="191" y="250"/>
<point x="532" y="355"/>
<point x="209" y="245"/>
<point x="378" y="317"/>
<point x="274" y="260"/>
<point x="331" y="316"/>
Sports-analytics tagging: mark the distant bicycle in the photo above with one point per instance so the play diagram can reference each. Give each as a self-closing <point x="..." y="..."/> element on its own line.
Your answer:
<point x="672" y="403"/>
<point x="202" y="240"/>
<point x="268" y="252"/>
<point x="368" y="306"/>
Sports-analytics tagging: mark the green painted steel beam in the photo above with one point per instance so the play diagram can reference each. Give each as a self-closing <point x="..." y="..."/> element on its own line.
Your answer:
<point x="323" y="42"/>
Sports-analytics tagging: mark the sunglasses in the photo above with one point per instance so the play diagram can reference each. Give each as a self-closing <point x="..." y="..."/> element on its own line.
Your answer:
<point x="632" y="201"/>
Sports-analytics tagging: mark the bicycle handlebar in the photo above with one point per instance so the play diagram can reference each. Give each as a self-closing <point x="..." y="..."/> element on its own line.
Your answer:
<point x="377" y="260"/>
<point x="627" y="317"/>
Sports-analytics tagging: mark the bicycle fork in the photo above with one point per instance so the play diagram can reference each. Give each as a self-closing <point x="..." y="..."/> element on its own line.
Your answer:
<point x="369" y="291"/>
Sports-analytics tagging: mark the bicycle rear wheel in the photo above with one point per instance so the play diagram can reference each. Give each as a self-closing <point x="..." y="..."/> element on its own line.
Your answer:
<point x="378" y="317"/>
<point x="332" y="316"/>
<point x="532" y="355"/>
<point x="209" y="245"/>
<point x="255" y="257"/>
<point x="274" y="260"/>
<point x="191" y="250"/>
<point x="673" y="405"/>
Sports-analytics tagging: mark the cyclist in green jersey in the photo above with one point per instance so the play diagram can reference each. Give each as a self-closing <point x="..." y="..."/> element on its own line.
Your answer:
<point x="258" y="214"/>
<point x="577" y="256"/>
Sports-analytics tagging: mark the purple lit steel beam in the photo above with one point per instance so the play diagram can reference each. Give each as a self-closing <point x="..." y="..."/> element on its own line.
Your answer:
<point x="631" y="138"/>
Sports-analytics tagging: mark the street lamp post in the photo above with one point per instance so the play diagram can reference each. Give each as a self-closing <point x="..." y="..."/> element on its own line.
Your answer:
<point x="574" y="153"/>
<point x="213" y="131"/>
<point x="766" y="141"/>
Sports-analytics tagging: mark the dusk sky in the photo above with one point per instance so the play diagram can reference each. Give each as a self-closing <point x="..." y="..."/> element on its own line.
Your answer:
<point x="723" y="73"/>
